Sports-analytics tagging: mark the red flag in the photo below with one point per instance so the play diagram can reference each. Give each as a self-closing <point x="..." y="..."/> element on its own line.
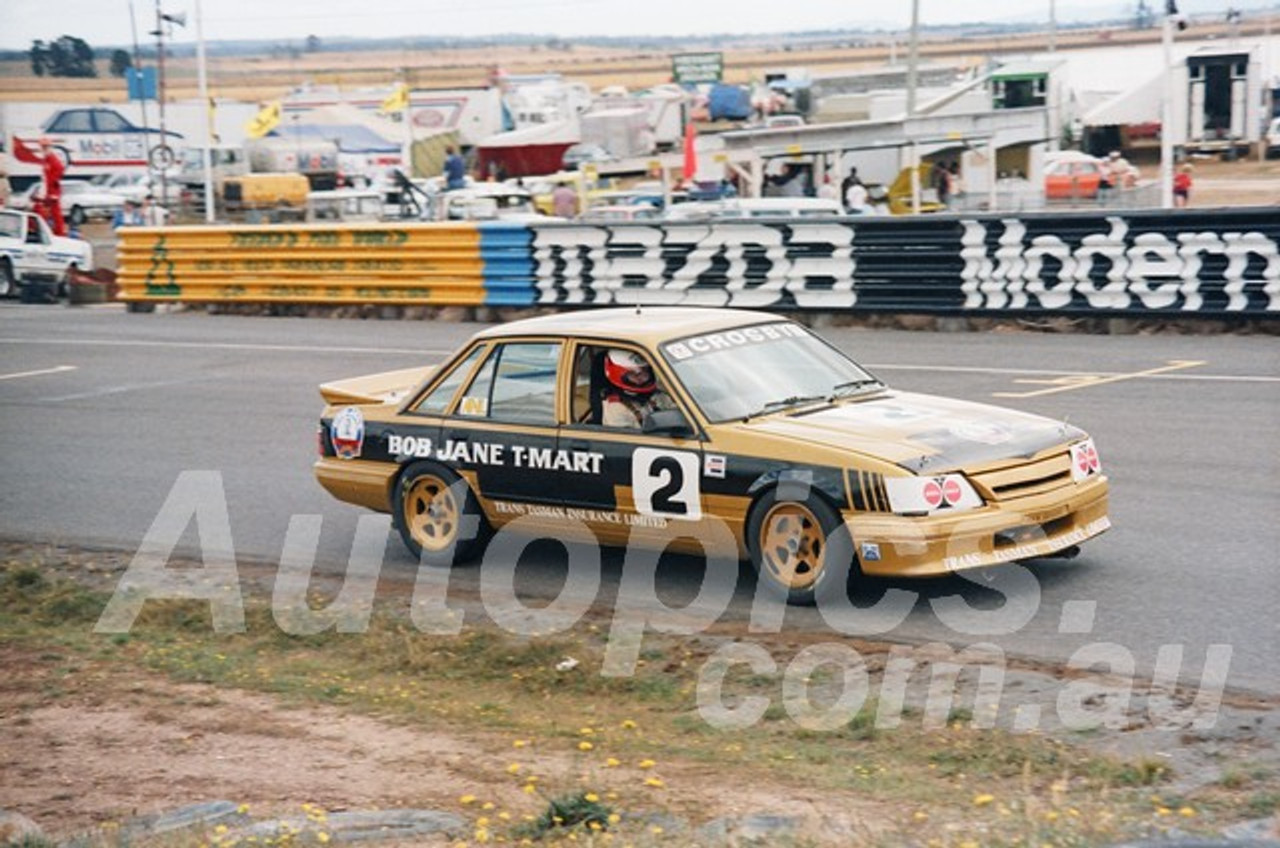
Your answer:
<point x="690" y="152"/>
<point x="25" y="154"/>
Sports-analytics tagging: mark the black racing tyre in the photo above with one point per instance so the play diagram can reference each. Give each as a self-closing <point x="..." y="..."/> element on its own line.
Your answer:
<point x="77" y="216"/>
<point x="437" y="515"/>
<point x="8" y="279"/>
<point x="800" y="548"/>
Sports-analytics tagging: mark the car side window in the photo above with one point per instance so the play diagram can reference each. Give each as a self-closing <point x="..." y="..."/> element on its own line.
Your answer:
<point x="110" y="122"/>
<point x="73" y="120"/>
<point x="524" y="383"/>
<point x="516" y="383"/>
<point x="436" y="402"/>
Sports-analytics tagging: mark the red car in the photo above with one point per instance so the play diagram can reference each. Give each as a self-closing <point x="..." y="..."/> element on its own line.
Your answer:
<point x="1074" y="178"/>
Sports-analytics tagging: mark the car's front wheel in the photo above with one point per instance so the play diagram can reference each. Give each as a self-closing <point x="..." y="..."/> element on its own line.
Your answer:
<point x="800" y="548"/>
<point x="437" y="515"/>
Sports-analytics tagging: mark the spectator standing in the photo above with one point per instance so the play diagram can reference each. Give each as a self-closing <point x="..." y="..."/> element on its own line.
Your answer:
<point x="52" y="169"/>
<point x="848" y="181"/>
<point x="455" y="170"/>
<point x="828" y="190"/>
<point x="955" y="184"/>
<point x="5" y="188"/>
<point x="1182" y="186"/>
<point x="855" y="195"/>
<point x="152" y="214"/>
<point x="941" y="179"/>
<point x="127" y="216"/>
<point x="564" y="201"/>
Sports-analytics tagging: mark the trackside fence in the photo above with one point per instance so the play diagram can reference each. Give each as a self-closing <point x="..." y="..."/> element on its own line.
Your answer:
<point x="1204" y="262"/>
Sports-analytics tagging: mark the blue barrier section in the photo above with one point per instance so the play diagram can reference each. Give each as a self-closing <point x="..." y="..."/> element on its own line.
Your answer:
<point x="1210" y="262"/>
<point x="507" y="264"/>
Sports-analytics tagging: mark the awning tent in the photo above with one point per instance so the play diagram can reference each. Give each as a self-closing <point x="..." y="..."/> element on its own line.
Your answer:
<point x="1139" y="105"/>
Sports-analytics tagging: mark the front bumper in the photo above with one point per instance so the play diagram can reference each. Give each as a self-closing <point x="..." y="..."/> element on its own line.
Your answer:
<point x="1009" y="531"/>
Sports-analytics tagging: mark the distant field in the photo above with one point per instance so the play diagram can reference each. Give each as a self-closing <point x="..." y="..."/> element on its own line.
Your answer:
<point x="268" y="77"/>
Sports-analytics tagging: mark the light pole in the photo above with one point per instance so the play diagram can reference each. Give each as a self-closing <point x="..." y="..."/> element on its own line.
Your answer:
<point x="164" y="154"/>
<point x="1171" y="17"/>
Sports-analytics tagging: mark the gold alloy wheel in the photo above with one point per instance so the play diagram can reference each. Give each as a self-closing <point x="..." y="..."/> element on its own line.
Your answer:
<point x="792" y="544"/>
<point x="431" y="513"/>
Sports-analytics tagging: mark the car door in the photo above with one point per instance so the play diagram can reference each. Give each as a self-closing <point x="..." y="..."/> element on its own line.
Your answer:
<point x="503" y="429"/>
<point x="631" y="483"/>
<point x="35" y="250"/>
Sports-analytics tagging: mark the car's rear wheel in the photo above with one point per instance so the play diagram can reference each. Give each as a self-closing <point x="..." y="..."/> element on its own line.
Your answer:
<point x="8" y="279"/>
<point x="437" y="515"/>
<point x="799" y="548"/>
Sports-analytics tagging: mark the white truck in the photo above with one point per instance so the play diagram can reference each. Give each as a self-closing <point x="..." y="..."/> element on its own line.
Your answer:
<point x="31" y="255"/>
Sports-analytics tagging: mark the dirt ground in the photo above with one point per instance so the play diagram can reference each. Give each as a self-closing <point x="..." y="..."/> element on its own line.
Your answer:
<point x="90" y="738"/>
<point x="110" y="746"/>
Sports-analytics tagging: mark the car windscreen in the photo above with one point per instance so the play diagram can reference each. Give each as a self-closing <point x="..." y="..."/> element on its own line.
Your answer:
<point x="748" y="370"/>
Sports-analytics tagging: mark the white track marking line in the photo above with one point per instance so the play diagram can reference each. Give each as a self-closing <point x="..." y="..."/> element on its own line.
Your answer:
<point x="227" y="346"/>
<point x="58" y="369"/>
<point x="1089" y="381"/>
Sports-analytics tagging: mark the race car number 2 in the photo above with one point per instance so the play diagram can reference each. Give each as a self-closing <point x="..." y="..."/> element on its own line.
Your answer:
<point x="665" y="483"/>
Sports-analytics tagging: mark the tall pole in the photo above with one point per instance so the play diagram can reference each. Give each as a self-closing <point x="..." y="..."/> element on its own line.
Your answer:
<point x="913" y="57"/>
<point x="203" y="82"/>
<point x="1053" y="27"/>
<point x="1166" y="118"/>
<point x="164" y="138"/>
<point x="137" y="66"/>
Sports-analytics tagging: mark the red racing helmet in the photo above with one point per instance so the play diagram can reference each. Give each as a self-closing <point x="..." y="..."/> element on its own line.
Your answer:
<point x="629" y="371"/>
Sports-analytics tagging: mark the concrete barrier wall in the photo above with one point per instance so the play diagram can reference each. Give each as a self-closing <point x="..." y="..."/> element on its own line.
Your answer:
<point x="1202" y="262"/>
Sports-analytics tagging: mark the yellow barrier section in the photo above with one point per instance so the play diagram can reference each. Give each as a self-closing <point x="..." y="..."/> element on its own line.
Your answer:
<point x="414" y="263"/>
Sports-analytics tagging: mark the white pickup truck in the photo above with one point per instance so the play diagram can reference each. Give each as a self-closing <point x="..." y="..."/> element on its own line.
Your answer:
<point x="31" y="254"/>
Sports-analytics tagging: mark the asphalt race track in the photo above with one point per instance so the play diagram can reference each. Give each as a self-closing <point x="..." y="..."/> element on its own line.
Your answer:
<point x="101" y="411"/>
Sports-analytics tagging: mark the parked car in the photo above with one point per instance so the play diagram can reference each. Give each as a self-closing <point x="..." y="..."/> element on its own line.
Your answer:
<point x="345" y="204"/>
<point x="755" y="207"/>
<point x="30" y="253"/>
<point x="136" y="186"/>
<point x="750" y="434"/>
<point x="585" y="154"/>
<point x="1071" y="175"/>
<point x="81" y="200"/>
<point x="613" y="212"/>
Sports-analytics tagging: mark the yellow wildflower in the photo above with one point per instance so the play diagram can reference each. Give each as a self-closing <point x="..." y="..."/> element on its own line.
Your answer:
<point x="647" y="764"/>
<point x="591" y="797"/>
<point x="584" y="745"/>
<point x="983" y="799"/>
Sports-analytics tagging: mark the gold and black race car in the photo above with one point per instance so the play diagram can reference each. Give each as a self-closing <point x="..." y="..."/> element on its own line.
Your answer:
<point x="690" y="428"/>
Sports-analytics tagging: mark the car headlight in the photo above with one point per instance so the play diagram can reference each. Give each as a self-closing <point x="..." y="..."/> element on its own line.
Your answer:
<point x="928" y="495"/>
<point x="1084" y="461"/>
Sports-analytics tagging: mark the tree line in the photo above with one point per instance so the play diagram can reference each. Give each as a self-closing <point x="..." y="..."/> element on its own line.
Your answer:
<point x="68" y="56"/>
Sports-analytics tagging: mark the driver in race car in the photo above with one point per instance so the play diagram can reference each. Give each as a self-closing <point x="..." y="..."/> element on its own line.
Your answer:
<point x="632" y="392"/>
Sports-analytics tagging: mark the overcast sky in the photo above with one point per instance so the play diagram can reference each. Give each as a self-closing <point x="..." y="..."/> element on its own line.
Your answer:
<point x="107" y="22"/>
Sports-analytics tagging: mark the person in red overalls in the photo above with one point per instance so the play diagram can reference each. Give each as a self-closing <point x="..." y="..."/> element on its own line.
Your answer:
<point x="52" y="167"/>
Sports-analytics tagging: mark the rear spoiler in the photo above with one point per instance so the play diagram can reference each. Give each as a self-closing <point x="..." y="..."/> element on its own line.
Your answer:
<point x="386" y="387"/>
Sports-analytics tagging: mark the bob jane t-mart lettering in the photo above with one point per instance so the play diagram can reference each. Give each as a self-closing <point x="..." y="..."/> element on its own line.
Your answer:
<point x="484" y="453"/>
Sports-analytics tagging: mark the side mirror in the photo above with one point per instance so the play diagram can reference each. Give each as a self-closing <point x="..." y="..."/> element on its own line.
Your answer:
<point x="667" y="422"/>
